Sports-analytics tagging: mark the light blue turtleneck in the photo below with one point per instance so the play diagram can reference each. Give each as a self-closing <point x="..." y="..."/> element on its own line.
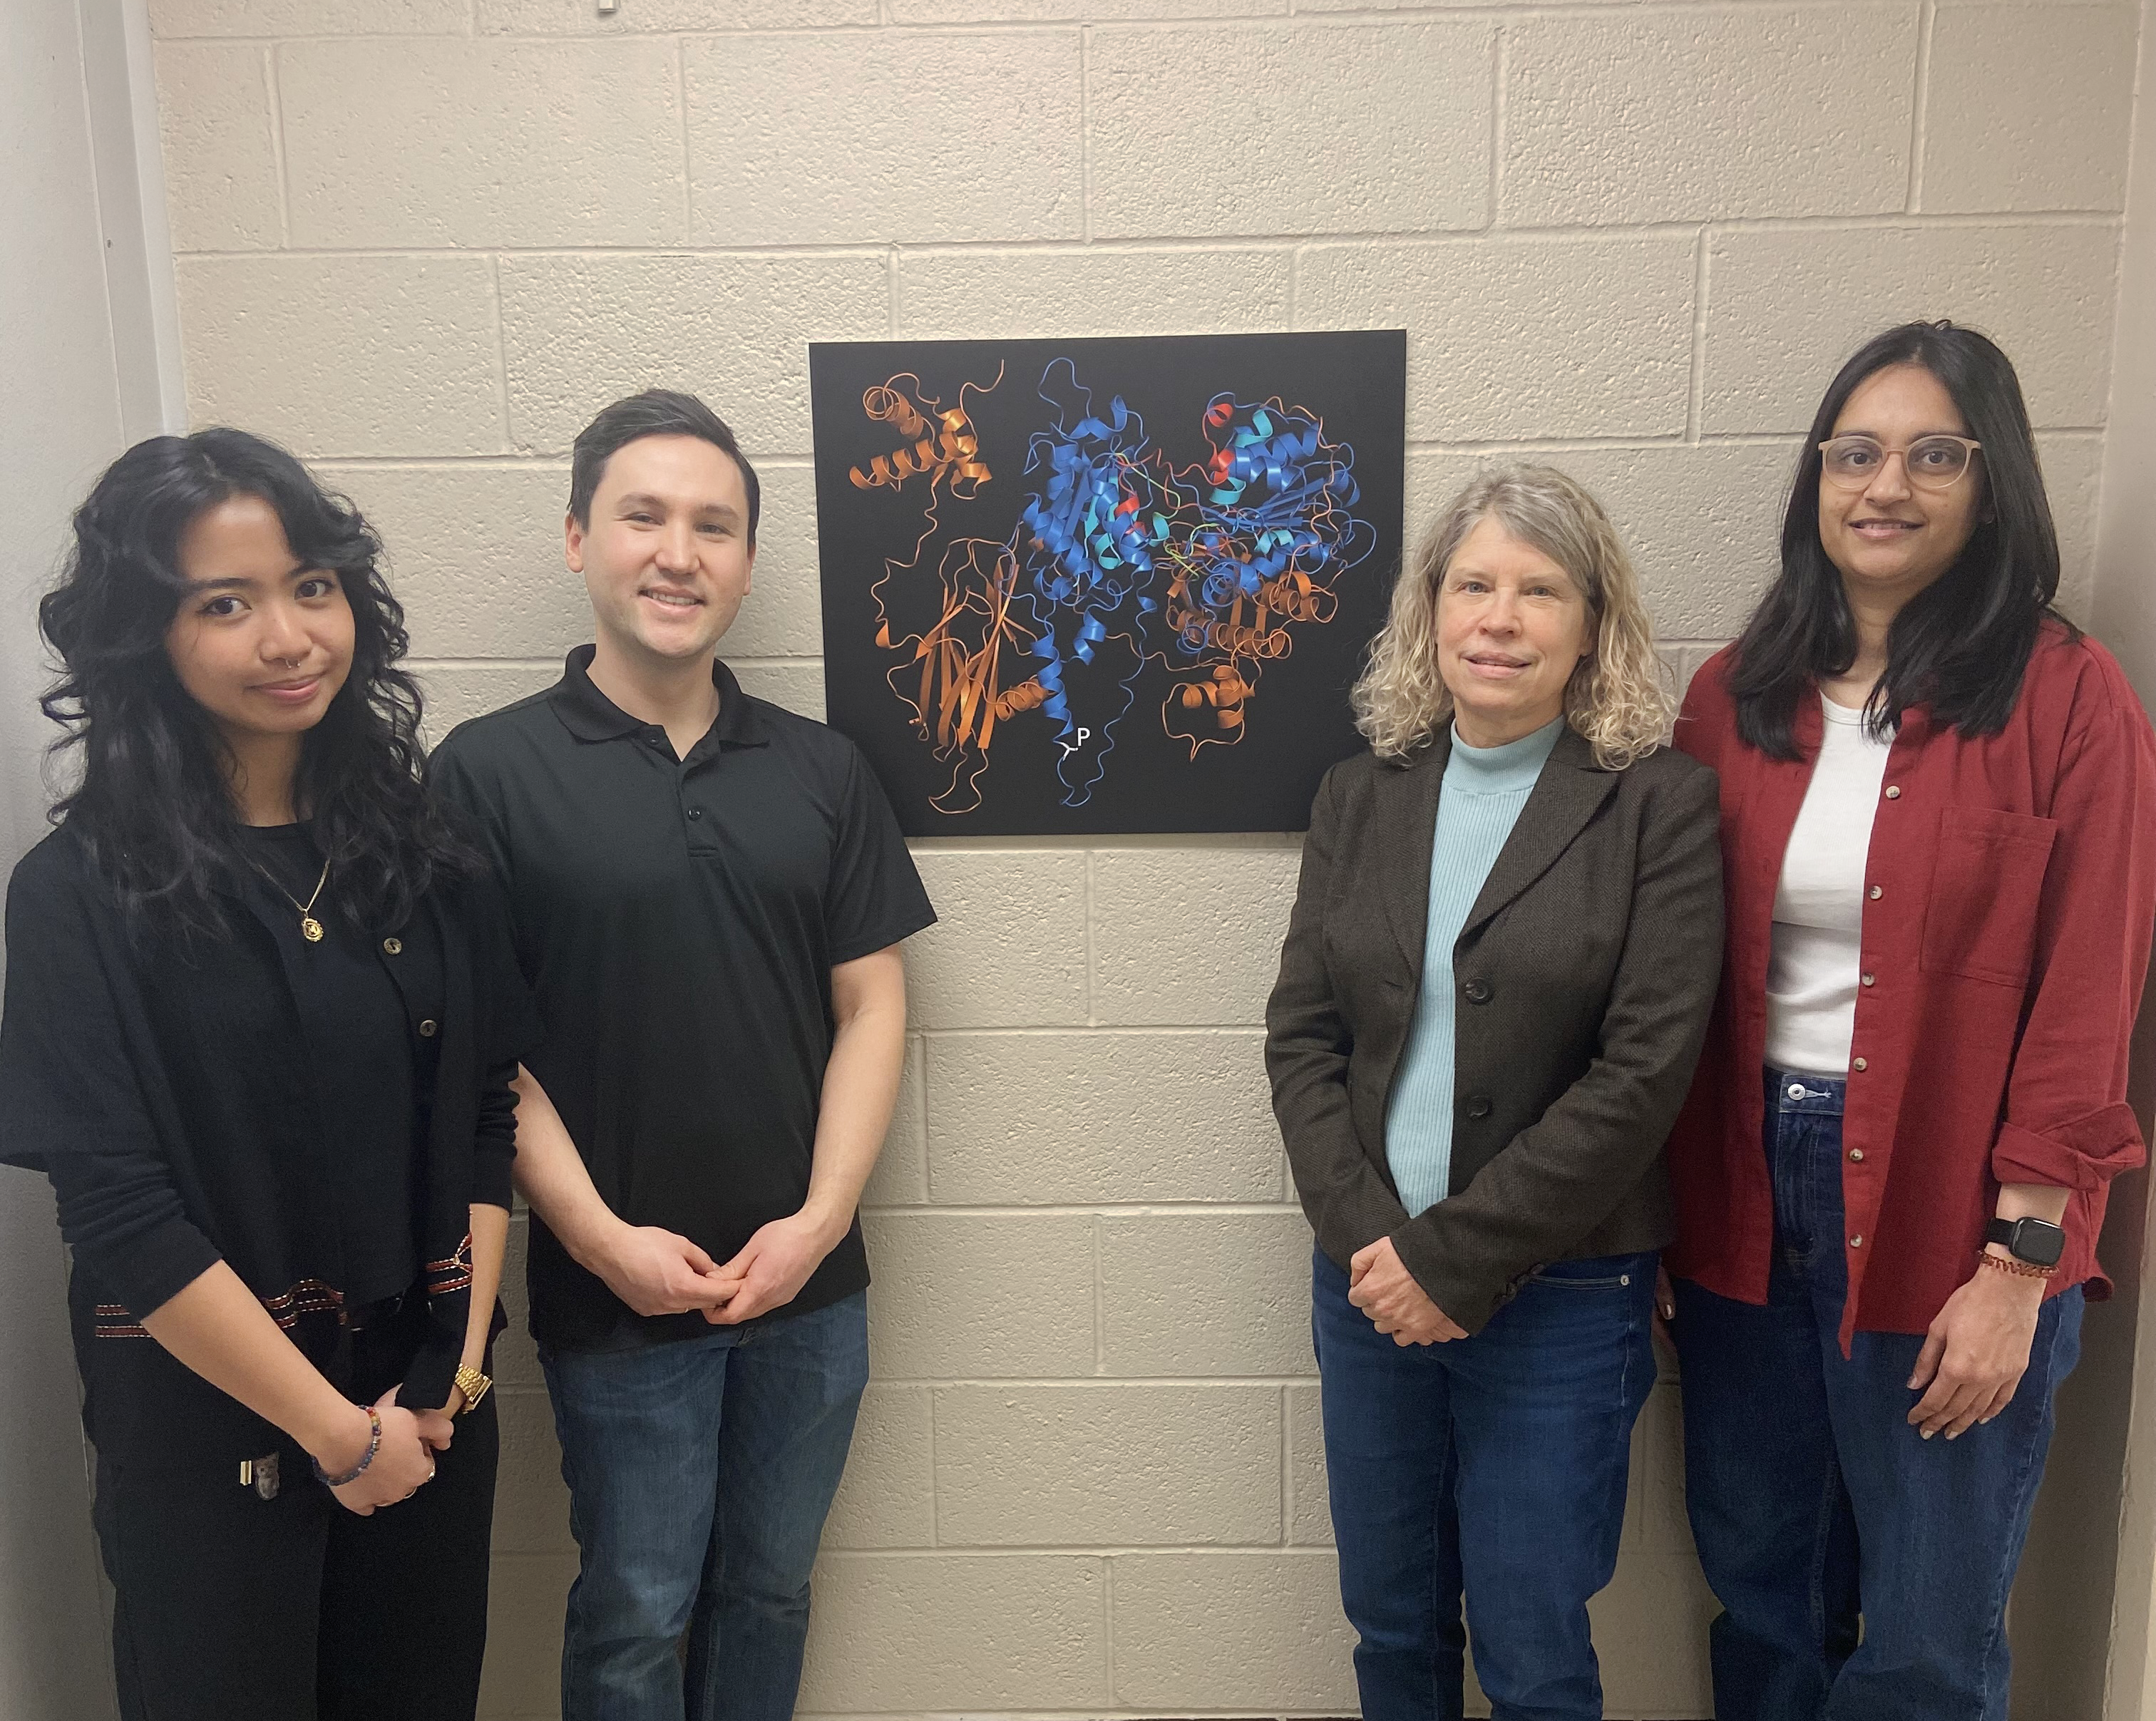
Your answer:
<point x="1478" y="803"/>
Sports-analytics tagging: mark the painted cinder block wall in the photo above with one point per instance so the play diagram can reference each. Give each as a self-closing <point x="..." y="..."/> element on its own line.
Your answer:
<point x="422" y="240"/>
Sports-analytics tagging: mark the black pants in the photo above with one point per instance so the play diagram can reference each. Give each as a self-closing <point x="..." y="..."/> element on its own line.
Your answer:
<point x="230" y="1607"/>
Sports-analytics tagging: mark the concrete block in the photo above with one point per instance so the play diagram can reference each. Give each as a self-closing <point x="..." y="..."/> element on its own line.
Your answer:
<point x="1009" y="946"/>
<point x="979" y="294"/>
<point x="1205" y="1294"/>
<point x="1650" y="1635"/>
<point x="2030" y="108"/>
<point x="1512" y="339"/>
<point x="888" y="1496"/>
<point x="221" y="188"/>
<point x="898" y="1631"/>
<point x="792" y="684"/>
<point x="1078" y="1118"/>
<point x="783" y="614"/>
<point x="1176" y="153"/>
<point x="1703" y="523"/>
<point x="475" y="556"/>
<point x="1309" y="1508"/>
<point x="579" y="17"/>
<point x="516" y="1361"/>
<point x="902" y="125"/>
<point x="1252" y="1632"/>
<point x="399" y="142"/>
<point x="526" y="1597"/>
<point x="170" y="18"/>
<point x="531" y="1500"/>
<point x="963" y="11"/>
<point x="2073" y="474"/>
<point x="1108" y="1466"/>
<point x="584" y="330"/>
<point x="1190" y="935"/>
<point x="901" y="1177"/>
<point x="345" y="355"/>
<point x="960" y="1297"/>
<point x="1654" y="1521"/>
<point x="1696" y="114"/>
<point x="1785" y="309"/>
<point x="456" y="692"/>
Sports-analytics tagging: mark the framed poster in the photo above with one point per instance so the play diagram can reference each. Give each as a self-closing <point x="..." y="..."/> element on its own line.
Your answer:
<point x="1073" y="587"/>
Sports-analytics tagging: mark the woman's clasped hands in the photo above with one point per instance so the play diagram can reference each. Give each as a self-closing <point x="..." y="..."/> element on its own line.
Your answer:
<point x="403" y="1460"/>
<point x="1380" y="1285"/>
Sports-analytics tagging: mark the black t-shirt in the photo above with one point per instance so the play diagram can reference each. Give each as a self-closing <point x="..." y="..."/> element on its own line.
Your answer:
<point x="679" y="920"/>
<point x="370" y="1118"/>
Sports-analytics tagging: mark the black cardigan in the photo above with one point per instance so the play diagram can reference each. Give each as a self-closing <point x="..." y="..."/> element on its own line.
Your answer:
<point x="165" y="1091"/>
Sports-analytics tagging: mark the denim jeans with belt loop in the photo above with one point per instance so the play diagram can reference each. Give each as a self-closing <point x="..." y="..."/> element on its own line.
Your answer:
<point x="1863" y="1570"/>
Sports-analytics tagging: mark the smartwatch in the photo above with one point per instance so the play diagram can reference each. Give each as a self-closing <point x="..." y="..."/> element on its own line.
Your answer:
<point x="2037" y="1242"/>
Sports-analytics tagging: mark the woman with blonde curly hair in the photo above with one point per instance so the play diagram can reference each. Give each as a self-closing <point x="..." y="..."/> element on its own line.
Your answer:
<point x="1504" y="945"/>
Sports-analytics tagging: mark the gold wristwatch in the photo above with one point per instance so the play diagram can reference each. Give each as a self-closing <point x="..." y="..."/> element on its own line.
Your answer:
<point x="472" y="1383"/>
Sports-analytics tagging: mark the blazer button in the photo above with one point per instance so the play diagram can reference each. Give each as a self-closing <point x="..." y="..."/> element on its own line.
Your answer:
<point x="392" y="947"/>
<point x="427" y="1029"/>
<point x="1478" y="1106"/>
<point x="1477" y="992"/>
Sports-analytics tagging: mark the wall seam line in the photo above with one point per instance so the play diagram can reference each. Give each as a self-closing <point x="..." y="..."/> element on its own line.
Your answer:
<point x="1500" y="58"/>
<point x="501" y="357"/>
<point x="273" y="88"/>
<point x="1920" y="105"/>
<point x="1696" y="400"/>
<point x="688" y="153"/>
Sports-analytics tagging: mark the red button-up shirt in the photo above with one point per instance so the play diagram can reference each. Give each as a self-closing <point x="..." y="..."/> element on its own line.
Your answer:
<point x="2010" y="894"/>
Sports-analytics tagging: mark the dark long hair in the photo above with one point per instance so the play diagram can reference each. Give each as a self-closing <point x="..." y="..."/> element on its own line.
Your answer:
<point x="1960" y="646"/>
<point x="154" y="806"/>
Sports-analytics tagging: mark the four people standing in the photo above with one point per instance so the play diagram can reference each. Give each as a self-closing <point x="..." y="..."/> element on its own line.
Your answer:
<point x="266" y="1031"/>
<point x="1494" y="985"/>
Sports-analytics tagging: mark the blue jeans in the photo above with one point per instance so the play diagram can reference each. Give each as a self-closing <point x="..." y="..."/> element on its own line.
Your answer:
<point x="1814" y="1502"/>
<point x="1496" y="1465"/>
<point x="699" y="1472"/>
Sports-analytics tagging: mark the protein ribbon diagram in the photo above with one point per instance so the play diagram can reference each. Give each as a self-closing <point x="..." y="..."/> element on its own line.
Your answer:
<point x="1121" y="558"/>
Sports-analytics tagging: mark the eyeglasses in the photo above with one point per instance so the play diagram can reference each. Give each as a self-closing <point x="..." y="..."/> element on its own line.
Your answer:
<point x="1931" y="462"/>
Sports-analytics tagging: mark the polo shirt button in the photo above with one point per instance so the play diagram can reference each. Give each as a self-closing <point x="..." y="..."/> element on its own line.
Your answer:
<point x="1859" y="1065"/>
<point x="427" y="1029"/>
<point x="1868" y="980"/>
<point x="1893" y="791"/>
<point x="696" y="812"/>
<point x="1477" y="992"/>
<point x="1478" y="1107"/>
<point x="392" y="947"/>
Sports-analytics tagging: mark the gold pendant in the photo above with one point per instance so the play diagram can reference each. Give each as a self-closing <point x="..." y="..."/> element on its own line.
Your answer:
<point x="310" y="928"/>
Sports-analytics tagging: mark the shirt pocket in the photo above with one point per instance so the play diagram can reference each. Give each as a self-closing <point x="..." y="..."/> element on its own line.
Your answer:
<point x="1987" y="890"/>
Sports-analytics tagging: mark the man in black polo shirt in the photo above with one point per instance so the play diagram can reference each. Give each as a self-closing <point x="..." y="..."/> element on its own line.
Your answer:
<point x="709" y="894"/>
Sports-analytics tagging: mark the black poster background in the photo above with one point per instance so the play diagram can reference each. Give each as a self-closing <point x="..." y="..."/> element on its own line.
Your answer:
<point x="1297" y="724"/>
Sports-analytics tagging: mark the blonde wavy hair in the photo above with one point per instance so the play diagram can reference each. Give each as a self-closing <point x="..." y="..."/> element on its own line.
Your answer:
<point x="1619" y="698"/>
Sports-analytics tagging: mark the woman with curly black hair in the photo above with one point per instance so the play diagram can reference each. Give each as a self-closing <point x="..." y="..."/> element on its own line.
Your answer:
<point x="260" y="1022"/>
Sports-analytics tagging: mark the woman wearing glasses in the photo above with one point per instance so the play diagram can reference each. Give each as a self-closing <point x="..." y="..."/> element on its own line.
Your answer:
<point x="1937" y="805"/>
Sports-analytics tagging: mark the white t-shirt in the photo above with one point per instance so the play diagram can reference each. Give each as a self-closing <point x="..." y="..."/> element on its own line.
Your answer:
<point x="1819" y="903"/>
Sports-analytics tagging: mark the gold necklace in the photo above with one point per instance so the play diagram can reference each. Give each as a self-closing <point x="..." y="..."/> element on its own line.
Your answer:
<point x="310" y="929"/>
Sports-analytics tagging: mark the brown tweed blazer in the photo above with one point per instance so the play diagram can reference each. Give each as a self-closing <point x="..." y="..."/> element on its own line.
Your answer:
<point x="1585" y="972"/>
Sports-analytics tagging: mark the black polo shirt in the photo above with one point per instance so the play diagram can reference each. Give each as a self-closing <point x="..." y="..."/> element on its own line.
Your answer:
<point x="679" y="920"/>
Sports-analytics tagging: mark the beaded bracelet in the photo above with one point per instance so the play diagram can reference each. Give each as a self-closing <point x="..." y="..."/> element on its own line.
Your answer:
<point x="2020" y="1269"/>
<point x="373" y="1446"/>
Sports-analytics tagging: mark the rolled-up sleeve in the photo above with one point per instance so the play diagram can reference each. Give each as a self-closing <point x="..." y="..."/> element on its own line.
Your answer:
<point x="72" y="1102"/>
<point x="2067" y="1122"/>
